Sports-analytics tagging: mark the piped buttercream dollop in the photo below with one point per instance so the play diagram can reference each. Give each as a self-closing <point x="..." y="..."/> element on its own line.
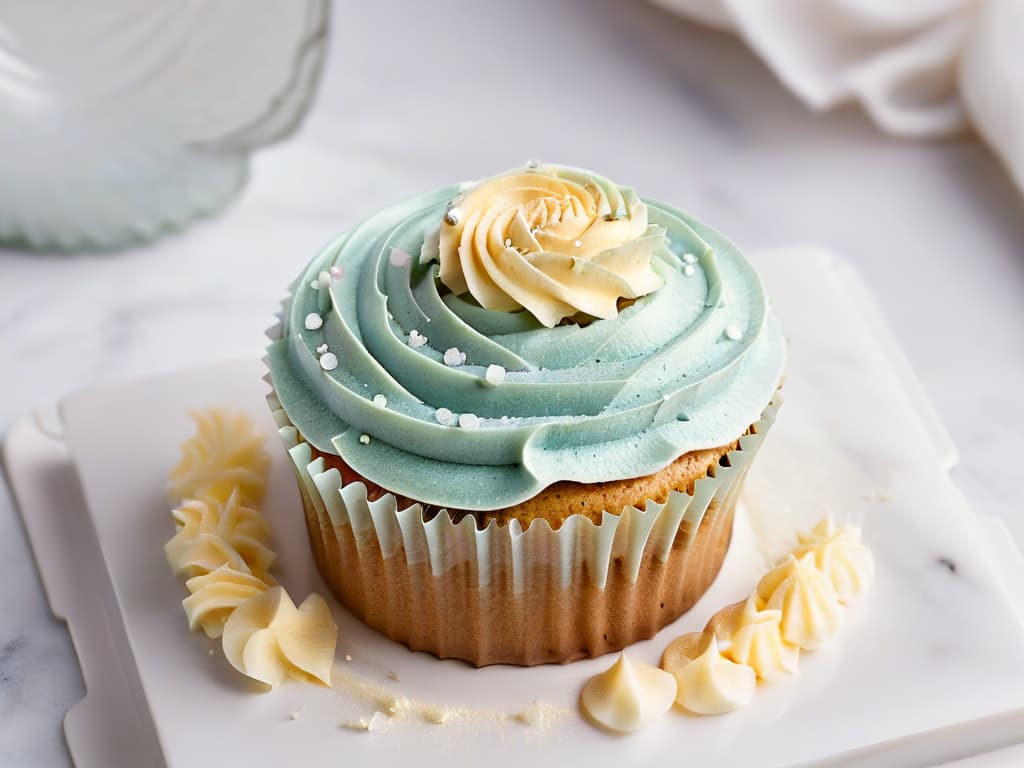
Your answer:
<point x="214" y="595"/>
<point x="752" y="636"/>
<point x="811" y="611"/>
<point x="224" y="455"/>
<point x="840" y="554"/>
<point x="707" y="682"/>
<point x="269" y="639"/>
<point x="628" y="695"/>
<point x="211" y="533"/>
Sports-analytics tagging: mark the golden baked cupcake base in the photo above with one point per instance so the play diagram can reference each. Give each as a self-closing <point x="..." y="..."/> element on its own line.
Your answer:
<point x="511" y="593"/>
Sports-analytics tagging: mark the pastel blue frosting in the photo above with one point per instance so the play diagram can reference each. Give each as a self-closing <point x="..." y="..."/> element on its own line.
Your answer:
<point x="612" y="399"/>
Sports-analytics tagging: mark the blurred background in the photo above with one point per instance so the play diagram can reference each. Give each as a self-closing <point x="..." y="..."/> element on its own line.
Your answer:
<point x="166" y="169"/>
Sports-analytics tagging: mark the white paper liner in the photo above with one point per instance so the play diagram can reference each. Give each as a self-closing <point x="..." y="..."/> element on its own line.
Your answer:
<point x="579" y="546"/>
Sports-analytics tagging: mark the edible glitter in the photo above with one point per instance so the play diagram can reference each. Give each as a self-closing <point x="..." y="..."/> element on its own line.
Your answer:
<point x="398" y="258"/>
<point x="495" y="374"/>
<point x="364" y="439"/>
<point x="453" y="357"/>
<point x="733" y="332"/>
<point x="445" y="417"/>
<point x="469" y="421"/>
<point x="313" y="321"/>
<point x="328" y="361"/>
<point x="380" y="401"/>
<point x="416" y="339"/>
<point x="689" y="270"/>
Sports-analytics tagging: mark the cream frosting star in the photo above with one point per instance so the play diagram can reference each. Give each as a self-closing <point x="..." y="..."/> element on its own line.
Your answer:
<point x="224" y="454"/>
<point x="211" y="534"/>
<point x="268" y="639"/>
<point x="707" y="682"/>
<point x="811" y="611"/>
<point x="840" y="554"/>
<point x="213" y="596"/>
<point x="752" y="636"/>
<point x="628" y="696"/>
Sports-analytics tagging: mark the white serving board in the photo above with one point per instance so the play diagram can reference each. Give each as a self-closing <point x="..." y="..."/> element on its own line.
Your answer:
<point x="929" y="667"/>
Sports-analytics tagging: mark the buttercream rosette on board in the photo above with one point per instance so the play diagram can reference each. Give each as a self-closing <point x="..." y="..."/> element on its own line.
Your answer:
<point x="521" y="411"/>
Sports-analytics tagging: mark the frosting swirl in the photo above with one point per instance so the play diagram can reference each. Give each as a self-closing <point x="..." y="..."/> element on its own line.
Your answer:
<point x="553" y="240"/>
<point x="438" y="399"/>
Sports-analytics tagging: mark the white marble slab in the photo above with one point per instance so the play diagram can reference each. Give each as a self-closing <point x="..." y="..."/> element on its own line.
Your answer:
<point x="936" y="621"/>
<point x="407" y="101"/>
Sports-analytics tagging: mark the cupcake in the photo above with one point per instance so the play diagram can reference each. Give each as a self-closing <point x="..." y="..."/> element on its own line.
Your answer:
<point x="520" y="412"/>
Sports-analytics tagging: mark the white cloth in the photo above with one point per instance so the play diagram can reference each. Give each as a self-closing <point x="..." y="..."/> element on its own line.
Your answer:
<point x="919" y="67"/>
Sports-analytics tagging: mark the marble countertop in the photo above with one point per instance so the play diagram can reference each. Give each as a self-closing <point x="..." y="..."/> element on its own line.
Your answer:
<point x="414" y="96"/>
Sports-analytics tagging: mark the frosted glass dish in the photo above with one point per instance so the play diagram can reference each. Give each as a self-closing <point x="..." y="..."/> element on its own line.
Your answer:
<point x="122" y="119"/>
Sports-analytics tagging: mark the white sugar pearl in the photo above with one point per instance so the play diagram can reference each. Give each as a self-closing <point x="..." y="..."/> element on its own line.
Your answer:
<point x="495" y="374"/>
<point x="453" y="217"/>
<point x="689" y="258"/>
<point x="416" y="339"/>
<point x="444" y="416"/>
<point x="380" y="401"/>
<point x="689" y="270"/>
<point x="453" y="357"/>
<point x="469" y="421"/>
<point x="733" y="332"/>
<point x="328" y="361"/>
<point x="324" y="279"/>
<point x="364" y="439"/>
<point x="313" y="321"/>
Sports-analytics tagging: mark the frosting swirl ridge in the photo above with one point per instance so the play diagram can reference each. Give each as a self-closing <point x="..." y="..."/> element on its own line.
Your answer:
<point x="440" y="399"/>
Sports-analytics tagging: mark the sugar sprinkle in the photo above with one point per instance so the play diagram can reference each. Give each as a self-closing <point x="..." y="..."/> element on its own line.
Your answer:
<point x="733" y="332"/>
<point x="469" y="421"/>
<point x="338" y="270"/>
<point x="364" y="439"/>
<point x="328" y="361"/>
<point x="416" y="339"/>
<point x="313" y="321"/>
<point x="380" y="401"/>
<point x="689" y="270"/>
<point x="453" y="357"/>
<point x="495" y="374"/>
<point x="689" y="258"/>
<point x="445" y="417"/>
<point x="398" y="258"/>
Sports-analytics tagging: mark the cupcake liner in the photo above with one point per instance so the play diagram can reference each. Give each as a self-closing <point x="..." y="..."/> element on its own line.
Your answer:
<point x="502" y="594"/>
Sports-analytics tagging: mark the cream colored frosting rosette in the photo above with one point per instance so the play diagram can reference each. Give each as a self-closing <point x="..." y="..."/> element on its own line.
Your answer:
<point x="221" y="546"/>
<point x="556" y="241"/>
<point x="224" y="455"/>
